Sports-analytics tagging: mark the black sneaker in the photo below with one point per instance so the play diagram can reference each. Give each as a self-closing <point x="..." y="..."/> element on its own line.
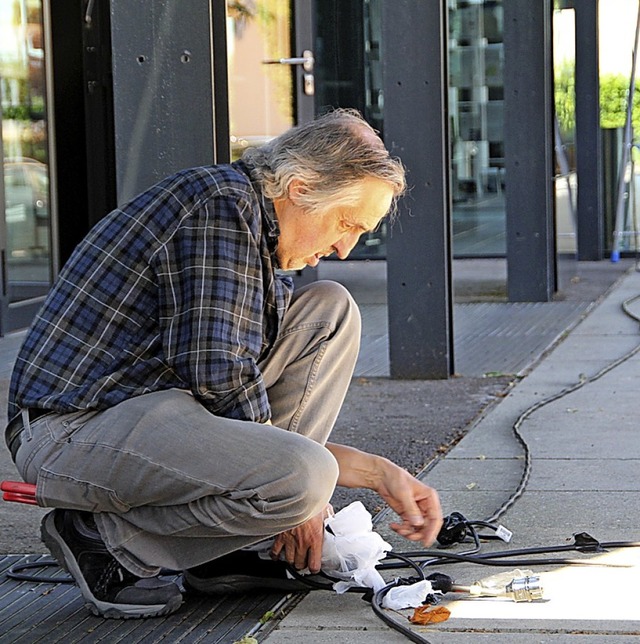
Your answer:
<point x="245" y="571"/>
<point x="108" y="588"/>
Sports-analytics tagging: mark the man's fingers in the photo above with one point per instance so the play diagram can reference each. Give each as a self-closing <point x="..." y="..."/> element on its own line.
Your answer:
<point x="426" y="533"/>
<point x="300" y="562"/>
<point x="302" y="546"/>
<point x="276" y="548"/>
<point x="408" y="531"/>
<point x="290" y="553"/>
<point x="314" y="559"/>
<point x="415" y="520"/>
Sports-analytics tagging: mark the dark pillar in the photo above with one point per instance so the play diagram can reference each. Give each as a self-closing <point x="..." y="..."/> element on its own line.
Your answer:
<point x="528" y="135"/>
<point x="163" y="86"/>
<point x="414" y="42"/>
<point x="588" y="133"/>
<point x="70" y="184"/>
<point x="98" y="100"/>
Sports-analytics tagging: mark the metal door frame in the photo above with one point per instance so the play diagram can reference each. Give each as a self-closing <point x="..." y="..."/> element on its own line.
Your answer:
<point x="303" y="38"/>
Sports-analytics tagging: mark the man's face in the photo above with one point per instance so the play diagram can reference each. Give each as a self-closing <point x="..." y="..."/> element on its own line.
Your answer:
<point x="306" y="238"/>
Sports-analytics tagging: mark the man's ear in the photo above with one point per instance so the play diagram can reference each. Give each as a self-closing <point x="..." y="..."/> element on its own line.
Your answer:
<point x="297" y="190"/>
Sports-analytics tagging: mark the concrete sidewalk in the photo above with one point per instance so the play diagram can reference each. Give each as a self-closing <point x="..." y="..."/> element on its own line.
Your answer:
<point x="584" y="452"/>
<point x="585" y="478"/>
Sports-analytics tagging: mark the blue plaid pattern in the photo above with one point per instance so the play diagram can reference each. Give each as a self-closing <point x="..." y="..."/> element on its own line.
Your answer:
<point x="176" y="289"/>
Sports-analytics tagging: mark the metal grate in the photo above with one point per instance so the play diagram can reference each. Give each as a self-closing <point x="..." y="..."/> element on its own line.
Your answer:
<point x="490" y="337"/>
<point x="33" y="612"/>
<point x="509" y="337"/>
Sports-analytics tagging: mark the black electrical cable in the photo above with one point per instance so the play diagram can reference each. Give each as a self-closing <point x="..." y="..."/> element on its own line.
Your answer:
<point x="492" y="558"/>
<point x="376" y="605"/>
<point x="411" y="559"/>
<point x="14" y="572"/>
<point x="584" y="545"/>
<point x="485" y="524"/>
<point x="526" y="473"/>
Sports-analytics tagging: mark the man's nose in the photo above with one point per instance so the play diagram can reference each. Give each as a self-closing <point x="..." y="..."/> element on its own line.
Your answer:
<point x="346" y="244"/>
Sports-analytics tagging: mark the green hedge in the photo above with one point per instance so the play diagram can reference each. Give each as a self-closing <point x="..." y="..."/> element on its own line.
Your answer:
<point x="613" y="100"/>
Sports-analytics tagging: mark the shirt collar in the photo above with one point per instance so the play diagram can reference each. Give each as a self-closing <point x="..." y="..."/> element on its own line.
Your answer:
<point x="266" y="205"/>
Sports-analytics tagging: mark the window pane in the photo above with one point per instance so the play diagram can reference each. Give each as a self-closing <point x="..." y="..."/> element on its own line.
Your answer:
<point x="25" y="148"/>
<point x="260" y="92"/>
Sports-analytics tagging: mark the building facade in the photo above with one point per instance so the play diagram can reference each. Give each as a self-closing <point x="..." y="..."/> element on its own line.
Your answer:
<point x="100" y="98"/>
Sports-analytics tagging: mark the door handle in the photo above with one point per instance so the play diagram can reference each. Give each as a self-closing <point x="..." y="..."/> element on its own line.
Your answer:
<point x="307" y="61"/>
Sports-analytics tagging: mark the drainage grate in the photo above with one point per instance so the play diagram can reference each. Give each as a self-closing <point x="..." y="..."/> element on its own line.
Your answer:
<point x="508" y="337"/>
<point x="48" y="613"/>
<point x="498" y="337"/>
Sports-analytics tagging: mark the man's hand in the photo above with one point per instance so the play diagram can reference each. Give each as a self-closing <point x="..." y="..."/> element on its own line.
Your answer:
<point x="417" y="504"/>
<point x="302" y="546"/>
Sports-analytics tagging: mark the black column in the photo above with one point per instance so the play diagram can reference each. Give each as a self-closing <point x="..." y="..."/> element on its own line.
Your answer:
<point x="163" y="87"/>
<point x="528" y="135"/>
<point x="71" y="185"/>
<point x="414" y="54"/>
<point x="588" y="133"/>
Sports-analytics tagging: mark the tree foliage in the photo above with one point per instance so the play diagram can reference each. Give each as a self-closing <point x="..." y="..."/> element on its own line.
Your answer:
<point x="565" y="99"/>
<point x="614" y="89"/>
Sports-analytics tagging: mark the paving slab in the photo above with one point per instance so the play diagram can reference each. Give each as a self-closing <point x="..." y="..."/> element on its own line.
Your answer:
<point x="584" y="477"/>
<point x="586" y="453"/>
<point x="595" y="474"/>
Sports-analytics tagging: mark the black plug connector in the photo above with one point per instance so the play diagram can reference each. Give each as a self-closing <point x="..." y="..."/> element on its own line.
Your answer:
<point x="440" y="581"/>
<point x="454" y="529"/>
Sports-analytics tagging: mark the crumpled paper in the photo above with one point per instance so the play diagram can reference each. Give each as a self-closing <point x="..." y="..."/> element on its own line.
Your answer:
<point x="351" y="550"/>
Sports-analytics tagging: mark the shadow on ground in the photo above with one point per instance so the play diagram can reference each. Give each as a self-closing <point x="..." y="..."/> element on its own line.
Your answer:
<point x="411" y="422"/>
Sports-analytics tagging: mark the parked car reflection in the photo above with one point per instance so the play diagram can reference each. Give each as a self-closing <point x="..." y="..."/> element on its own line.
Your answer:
<point x="26" y="193"/>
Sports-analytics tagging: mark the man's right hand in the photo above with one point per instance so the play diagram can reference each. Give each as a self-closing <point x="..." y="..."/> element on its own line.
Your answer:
<point x="302" y="545"/>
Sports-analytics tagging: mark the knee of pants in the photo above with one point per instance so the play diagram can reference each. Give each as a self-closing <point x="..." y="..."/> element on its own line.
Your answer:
<point x="343" y="306"/>
<point x="317" y="474"/>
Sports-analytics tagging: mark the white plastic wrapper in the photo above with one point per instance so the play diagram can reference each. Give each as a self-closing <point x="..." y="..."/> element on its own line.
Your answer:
<point x="351" y="549"/>
<point x="412" y="596"/>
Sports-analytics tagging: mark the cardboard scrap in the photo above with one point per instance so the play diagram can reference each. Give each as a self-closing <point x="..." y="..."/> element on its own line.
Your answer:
<point x="430" y="615"/>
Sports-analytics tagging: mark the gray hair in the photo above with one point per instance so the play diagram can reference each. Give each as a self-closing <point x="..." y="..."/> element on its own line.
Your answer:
<point x="331" y="156"/>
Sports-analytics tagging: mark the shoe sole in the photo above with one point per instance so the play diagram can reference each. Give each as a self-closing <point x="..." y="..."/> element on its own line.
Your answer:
<point x="237" y="584"/>
<point x="62" y="553"/>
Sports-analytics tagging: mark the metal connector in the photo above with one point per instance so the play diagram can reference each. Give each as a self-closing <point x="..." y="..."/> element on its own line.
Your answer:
<point x="524" y="589"/>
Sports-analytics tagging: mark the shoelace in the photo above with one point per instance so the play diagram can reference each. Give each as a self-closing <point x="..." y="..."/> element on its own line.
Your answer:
<point x="112" y="572"/>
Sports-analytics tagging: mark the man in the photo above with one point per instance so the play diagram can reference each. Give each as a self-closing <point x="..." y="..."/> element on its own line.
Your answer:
<point x="173" y="398"/>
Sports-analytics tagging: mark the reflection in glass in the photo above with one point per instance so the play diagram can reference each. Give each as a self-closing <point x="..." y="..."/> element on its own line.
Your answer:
<point x="476" y="92"/>
<point x="260" y="94"/>
<point x="348" y="45"/>
<point x="565" y="178"/>
<point x="24" y="145"/>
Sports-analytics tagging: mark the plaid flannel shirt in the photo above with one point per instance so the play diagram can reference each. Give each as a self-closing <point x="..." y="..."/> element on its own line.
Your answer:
<point x="176" y="289"/>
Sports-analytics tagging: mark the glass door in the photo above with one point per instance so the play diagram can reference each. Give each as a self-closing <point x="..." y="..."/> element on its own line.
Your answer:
<point x="25" y="213"/>
<point x="271" y="69"/>
<point x="565" y="179"/>
<point x="476" y="105"/>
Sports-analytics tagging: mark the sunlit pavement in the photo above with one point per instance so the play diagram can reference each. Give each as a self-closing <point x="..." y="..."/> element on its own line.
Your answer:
<point x="574" y="592"/>
<point x="585" y="459"/>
